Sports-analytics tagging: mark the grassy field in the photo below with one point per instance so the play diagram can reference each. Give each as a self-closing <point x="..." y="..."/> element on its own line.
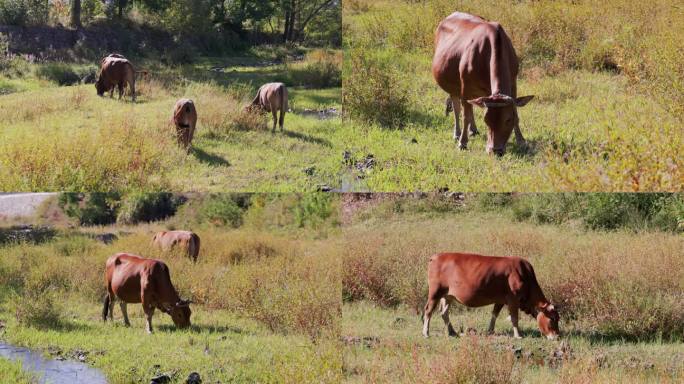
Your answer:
<point x="619" y="294"/>
<point x="606" y="116"/>
<point x="12" y="373"/>
<point x="67" y="138"/>
<point x="266" y="301"/>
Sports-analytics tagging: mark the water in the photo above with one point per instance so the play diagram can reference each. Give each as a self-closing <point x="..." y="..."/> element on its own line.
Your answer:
<point x="50" y="371"/>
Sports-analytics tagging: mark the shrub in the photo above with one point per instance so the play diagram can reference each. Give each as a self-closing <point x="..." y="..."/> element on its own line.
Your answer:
<point x="37" y="309"/>
<point x="373" y="89"/>
<point x="322" y="69"/>
<point x="312" y="209"/>
<point x="145" y="207"/>
<point x="222" y="209"/>
<point x="65" y="74"/>
<point x="90" y="209"/>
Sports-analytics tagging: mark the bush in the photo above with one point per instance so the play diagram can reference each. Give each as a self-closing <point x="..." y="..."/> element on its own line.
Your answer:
<point x="90" y="209"/>
<point x="223" y="209"/>
<point x="313" y="209"/>
<point x="145" y="207"/>
<point x="64" y="74"/>
<point x="374" y="90"/>
<point x="37" y="309"/>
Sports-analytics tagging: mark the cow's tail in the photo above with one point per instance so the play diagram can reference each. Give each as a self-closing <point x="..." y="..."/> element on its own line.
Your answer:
<point x="195" y="247"/>
<point x="105" y="308"/>
<point x="284" y="99"/>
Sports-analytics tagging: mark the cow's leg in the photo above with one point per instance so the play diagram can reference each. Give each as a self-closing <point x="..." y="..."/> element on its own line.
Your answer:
<point x="121" y="90"/>
<point x="495" y="314"/>
<point x="111" y="307"/>
<point x="149" y="311"/>
<point x="469" y="119"/>
<point x="513" y="311"/>
<point x="456" y="104"/>
<point x="274" y="112"/>
<point x="444" y="304"/>
<point x="132" y="85"/>
<point x="433" y="299"/>
<point x="519" y="139"/>
<point x="124" y="312"/>
<point x="282" y="119"/>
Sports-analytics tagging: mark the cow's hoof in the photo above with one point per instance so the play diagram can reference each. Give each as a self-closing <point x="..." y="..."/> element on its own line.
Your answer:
<point x="463" y="147"/>
<point x="474" y="133"/>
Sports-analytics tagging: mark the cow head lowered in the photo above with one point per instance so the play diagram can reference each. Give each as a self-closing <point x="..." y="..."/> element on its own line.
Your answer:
<point x="501" y="118"/>
<point x="180" y="313"/>
<point x="547" y="319"/>
<point x="100" y="86"/>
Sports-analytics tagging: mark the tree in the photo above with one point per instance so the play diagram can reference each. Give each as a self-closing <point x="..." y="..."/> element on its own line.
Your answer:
<point x="299" y="13"/>
<point x="76" y="13"/>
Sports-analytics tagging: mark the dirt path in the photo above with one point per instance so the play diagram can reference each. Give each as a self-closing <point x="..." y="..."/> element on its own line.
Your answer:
<point x="14" y="205"/>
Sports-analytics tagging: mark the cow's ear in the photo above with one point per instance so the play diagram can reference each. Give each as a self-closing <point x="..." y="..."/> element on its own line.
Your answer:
<point x="522" y="101"/>
<point x="479" y="102"/>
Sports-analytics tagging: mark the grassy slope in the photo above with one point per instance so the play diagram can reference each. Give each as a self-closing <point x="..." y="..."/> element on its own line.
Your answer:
<point x="385" y="344"/>
<point x="67" y="138"/>
<point x="587" y="131"/>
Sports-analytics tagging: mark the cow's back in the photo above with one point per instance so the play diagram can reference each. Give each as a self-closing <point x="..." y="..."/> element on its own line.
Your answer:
<point x="116" y="69"/>
<point x="464" y="45"/>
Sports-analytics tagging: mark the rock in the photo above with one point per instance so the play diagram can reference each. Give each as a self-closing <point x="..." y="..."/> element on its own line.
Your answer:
<point x="160" y="379"/>
<point x="106" y="238"/>
<point x="194" y="378"/>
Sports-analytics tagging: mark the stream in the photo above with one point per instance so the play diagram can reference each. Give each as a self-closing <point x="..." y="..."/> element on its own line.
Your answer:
<point x="49" y="371"/>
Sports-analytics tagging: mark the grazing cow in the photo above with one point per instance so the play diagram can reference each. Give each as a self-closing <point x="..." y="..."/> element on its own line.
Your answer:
<point x="185" y="120"/>
<point x="115" y="71"/>
<point x="272" y="97"/>
<point x="135" y="279"/>
<point x="475" y="63"/>
<point x="476" y="281"/>
<point x="187" y="241"/>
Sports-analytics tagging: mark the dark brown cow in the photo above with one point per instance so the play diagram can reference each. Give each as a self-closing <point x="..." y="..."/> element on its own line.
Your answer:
<point x="185" y="120"/>
<point x="476" y="281"/>
<point x="272" y="97"/>
<point x="475" y="63"/>
<point x="187" y="241"/>
<point x="115" y="71"/>
<point x="135" y="279"/>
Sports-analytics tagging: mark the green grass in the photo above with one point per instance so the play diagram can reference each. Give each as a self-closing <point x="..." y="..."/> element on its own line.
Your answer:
<point x="386" y="346"/>
<point x="588" y="129"/>
<point x="220" y="346"/>
<point x="66" y="138"/>
<point x="11" y="372"/>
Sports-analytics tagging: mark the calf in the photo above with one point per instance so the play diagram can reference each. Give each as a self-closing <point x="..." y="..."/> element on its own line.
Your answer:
<point x="185" y="120"/>
<point x="272" y="97"/>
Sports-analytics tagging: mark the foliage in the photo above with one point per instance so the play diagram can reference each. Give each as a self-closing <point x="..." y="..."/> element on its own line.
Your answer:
<point x="64" y="74"/>
<point x="313" y="209"/>
<point x="97" y="208"/>
<point x="322" y="69"/>
<point x="223" y="209"/>
<point x="374" y="90"/>
<point x="23" y="12"/>
<point x="145" y="207"/>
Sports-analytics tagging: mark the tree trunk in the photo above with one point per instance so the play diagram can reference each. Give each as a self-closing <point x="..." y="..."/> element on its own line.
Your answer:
<point x="76" y="13"/>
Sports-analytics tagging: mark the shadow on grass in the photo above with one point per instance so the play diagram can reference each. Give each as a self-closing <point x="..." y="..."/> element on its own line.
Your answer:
<point x="307" y="138"/>
<point x="208" y="158"/>
<point x="201" y="328"/>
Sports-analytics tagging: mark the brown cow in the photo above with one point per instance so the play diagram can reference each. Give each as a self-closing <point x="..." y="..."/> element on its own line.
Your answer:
<point x="187" y="241"/>
<point x="185" y="120"/>
<point x="135" y="279"/>
<point x="476" y="281"/>
<point x="476" y="64"/>
<point x="272" y="97"/>
<point x="115" y="71"/>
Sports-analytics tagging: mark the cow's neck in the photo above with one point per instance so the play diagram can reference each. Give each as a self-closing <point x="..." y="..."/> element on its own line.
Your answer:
<point x="500" y="78"/>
